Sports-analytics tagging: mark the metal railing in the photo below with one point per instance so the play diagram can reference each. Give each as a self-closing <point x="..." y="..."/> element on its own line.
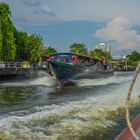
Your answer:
<point x="21" y="65"/>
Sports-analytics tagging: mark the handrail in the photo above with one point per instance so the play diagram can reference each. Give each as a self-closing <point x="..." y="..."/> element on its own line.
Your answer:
<point x="21" y="65"/>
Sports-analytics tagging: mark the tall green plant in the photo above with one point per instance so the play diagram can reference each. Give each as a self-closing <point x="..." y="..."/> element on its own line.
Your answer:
<point x="0" y="43"/>
<point x="22" y="45"/>
<point x="35" y="47"/>
<point x="133" y="58"/>
<point x="8" y="48"/>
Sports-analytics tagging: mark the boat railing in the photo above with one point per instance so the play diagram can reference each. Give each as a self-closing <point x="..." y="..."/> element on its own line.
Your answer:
<point x="12" y="65"/>
<point x="17" y="65"/>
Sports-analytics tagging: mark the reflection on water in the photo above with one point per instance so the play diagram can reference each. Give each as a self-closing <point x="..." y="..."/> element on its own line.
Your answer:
<point x="9" y="96"/>
<point x="94" y="109"/>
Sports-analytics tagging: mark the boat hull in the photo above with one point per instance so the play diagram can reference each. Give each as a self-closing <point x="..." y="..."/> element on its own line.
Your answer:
<point x="66" y="72"/>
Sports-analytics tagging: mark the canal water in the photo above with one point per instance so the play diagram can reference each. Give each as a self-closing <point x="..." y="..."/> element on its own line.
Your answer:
<point x="90" y="110"/>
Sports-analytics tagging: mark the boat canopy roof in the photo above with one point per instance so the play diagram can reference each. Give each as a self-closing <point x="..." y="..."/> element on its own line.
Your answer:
<point x="71" y="54"/>
<point x="64" y="53"/>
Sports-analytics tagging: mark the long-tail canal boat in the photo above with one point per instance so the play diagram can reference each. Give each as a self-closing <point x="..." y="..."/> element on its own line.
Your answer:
<point x="69" y="66"/>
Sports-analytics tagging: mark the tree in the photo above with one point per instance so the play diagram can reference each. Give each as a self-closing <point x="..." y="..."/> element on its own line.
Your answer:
<point x="134" y="56"/>
<point x="0" y="43"/>
<point x="107" y="55"/>
<point x="4" y="10"/>
<point x="22" y="45"/>
<point x="79" y="48"/>
<point x="49" y="50"/>
<point x="35" y="47"/>
<point x="97" y="53"/>
<point x="15" y="44"/>
<point x="8" y="48"/>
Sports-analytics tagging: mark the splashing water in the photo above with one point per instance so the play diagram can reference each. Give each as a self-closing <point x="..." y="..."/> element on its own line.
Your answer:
<point x="42" y="80"/>
<point x="103" y="81"/>
<point x="93" y="117"/>
<point x="46" y="81"/>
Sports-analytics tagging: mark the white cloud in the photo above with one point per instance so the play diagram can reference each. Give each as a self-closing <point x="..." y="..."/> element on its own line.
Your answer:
<point x="48" y="11"/>
<point x="119" y="29"/>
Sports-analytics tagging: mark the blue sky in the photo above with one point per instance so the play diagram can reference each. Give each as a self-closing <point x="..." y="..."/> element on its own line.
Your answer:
<point x="63" y="22"/>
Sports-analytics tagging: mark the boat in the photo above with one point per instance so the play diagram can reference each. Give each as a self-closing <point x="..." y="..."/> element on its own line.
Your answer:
<point x="126" y="133"/>
<point x="132" y="131"/>
<point x="68" y="66"/>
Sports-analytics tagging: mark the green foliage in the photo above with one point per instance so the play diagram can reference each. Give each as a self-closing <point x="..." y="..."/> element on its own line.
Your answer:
<point x="8" y="48"/>
<point x="48" y="51"/>
<point x="107" y="55"/>
<point x="15" y="44"/>
<point x="97" y="53"/>
<point x="79" y="48"/>
<point x="133" y="58"/>
<point x="4" y="10"/>
<point x="35" y="47"/>
<point x="21" y="41"/>
<point x="8" y="40"/>
<point x="28" y="47"/>
<point x="0" y="44"/>
<point x="25" y="62"/>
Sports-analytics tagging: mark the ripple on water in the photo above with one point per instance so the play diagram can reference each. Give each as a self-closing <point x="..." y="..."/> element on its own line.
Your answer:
<point x="95" y="117"/>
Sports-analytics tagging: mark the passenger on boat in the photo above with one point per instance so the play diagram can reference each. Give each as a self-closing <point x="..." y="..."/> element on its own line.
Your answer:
<point x="86" y="63"/>
<point x="58" y="59"/>
<point x="104" y="63"/>
<point x="68" y="61"/>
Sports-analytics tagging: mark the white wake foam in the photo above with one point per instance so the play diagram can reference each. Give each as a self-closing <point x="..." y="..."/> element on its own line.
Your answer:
<point x="102" y="81"/>
<point x="45" y="80"/>
<point x="75" y="117"/>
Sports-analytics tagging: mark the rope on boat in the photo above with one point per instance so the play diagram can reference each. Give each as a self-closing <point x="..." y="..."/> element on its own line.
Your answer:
<point x="127" y="106"/>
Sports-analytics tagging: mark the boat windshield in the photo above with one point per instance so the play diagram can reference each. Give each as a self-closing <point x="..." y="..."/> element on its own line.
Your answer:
<point x="63" y="58"/>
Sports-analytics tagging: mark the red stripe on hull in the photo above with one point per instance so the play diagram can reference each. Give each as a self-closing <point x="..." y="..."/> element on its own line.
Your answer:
<point x="126" y="133"/>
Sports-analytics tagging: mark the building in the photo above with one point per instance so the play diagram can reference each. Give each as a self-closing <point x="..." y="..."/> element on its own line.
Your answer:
<point x="104" y="47"/>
